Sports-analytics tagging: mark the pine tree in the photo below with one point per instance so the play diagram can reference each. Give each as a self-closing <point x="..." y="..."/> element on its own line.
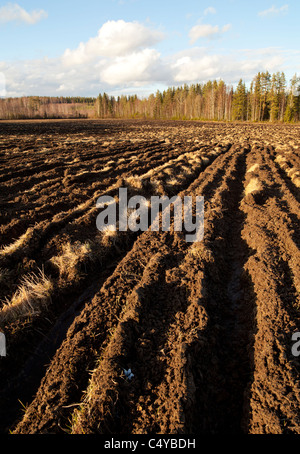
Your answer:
<point x="265" y="90"/>
<point x="282" y="95"/>
<point x="274" y="98"/>
<point x="257" y="97"/>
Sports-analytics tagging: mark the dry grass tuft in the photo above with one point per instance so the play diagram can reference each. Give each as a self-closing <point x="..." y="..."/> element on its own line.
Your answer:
<point x="172" y="182"/>
<point x="109" y="231"/>
<point x="187" y="170"/>
<point x="169" y="170"/>
<point x="135" y="182"/>
<point x="109" y="236"/>
<point x="72" y="256"/>
<point x="33" y="296"/>
<point x="19" y="243"/>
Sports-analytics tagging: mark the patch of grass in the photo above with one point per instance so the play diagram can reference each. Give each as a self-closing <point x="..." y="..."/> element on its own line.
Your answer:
<point x="172" y="182"/>
<point x="135" y="182"/>
<point x="71" y="257"/>
<point x="19" y="243"/>
<point x="30" y="299"/>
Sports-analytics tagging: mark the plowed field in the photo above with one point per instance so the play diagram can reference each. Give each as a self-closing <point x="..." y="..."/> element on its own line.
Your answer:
<point x="206" y="328"/>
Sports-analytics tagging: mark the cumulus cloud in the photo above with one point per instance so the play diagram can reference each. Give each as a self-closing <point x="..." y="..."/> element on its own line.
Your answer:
<point x="2" y="85"/>
<point x="131" y="65"/>
<point x="207" y="31"/>
<point x="210" y="10"/>
<point x="143" y="66"/>
<point x="189" y="69"/>
<point x="115" y="38"/>
<point x="200" y="66"/>
<point x="14" y="12"/>
<point x="273" y="11"/>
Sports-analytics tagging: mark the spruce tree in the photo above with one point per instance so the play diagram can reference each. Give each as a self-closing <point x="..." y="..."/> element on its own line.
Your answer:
<point x="239" y="103"/>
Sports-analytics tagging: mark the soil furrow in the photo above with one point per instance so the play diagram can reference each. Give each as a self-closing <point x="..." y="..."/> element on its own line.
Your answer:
<point x="204" y="328"/>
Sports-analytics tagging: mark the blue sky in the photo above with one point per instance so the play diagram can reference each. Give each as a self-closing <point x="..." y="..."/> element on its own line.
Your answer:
<point x="73" y="47"/>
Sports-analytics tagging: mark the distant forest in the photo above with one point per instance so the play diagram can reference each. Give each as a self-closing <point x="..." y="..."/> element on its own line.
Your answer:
<point x="42" y="107"/>
<point x="269" y="98"/>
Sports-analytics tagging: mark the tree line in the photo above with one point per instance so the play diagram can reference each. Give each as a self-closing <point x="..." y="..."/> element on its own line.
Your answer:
<point x="42" y="107"/>
<point x="268" y="98"/>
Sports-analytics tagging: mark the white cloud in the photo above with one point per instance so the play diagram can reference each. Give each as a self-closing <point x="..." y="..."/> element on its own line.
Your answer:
<point x="207" y="31"/>
<point x="210" y="10"/>
<point x="2" y="85"/>
<point x="134" y="66"/>
<point x="188" y="69"/>
<point x="14" y="12"/>
<point x="193" y="68"/>
<point x="143" y="66"/>
<point x="115" y="38"/>
<point x="139" y="70"/>
<point x="273" y="11"/>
